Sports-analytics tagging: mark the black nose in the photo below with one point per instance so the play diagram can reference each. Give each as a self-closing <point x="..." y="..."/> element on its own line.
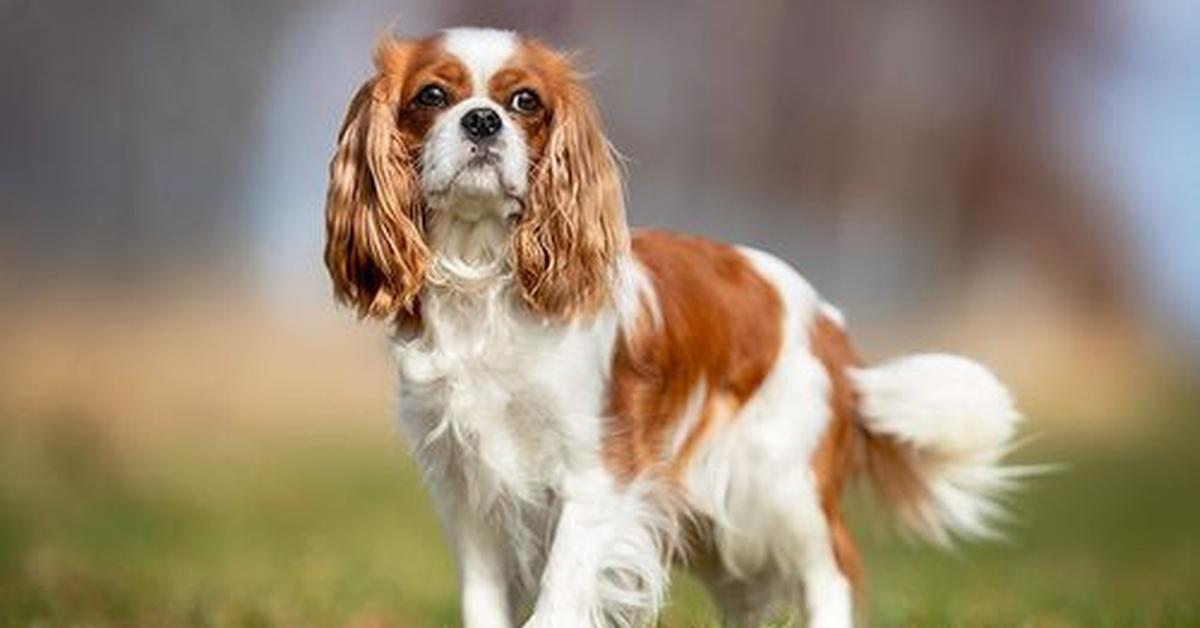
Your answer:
<point x="481" y="123"/>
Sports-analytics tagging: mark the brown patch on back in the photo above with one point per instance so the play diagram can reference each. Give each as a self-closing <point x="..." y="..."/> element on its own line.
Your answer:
<point x="835" y="457"/>
<point x="721" y="326"/>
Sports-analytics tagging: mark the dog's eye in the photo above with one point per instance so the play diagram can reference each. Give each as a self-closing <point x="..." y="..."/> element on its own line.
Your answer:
<point x="431" y="96"/>
<point x="525" y="101"/>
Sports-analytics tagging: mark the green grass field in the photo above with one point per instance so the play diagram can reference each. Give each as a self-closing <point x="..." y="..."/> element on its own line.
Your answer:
<point x="222" y="525"/>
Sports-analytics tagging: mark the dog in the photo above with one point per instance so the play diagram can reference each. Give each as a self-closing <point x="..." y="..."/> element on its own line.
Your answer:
<point x="589" y="404"/>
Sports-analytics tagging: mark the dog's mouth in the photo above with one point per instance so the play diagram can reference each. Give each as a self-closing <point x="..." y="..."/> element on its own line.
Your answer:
<point x="481" y="176"/>
<point x="481" y="158"/>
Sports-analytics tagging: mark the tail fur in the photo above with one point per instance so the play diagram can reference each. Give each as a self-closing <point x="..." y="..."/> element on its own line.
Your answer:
<point x="936" y="429"/>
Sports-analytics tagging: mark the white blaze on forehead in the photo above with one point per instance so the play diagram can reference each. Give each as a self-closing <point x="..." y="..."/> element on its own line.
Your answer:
<point x="482" y="50"/>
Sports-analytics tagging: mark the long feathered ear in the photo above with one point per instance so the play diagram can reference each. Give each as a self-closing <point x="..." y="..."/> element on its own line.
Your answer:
<point x="375" y="250"/>
<point x="572" y="230"/>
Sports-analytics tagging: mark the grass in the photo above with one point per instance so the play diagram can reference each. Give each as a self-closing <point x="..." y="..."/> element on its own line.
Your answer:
<point x="218" y="525"/>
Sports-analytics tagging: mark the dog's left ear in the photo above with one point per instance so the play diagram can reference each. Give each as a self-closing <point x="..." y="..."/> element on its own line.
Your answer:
<point x="375" y="248"/>
<point x="573" y="229"/>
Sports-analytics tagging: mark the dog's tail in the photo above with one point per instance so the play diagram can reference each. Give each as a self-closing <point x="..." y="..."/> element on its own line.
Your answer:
<point x="936" y="428"/>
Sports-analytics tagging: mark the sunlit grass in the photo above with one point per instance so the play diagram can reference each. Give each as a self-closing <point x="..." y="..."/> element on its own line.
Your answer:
<point x="303" y="526"/>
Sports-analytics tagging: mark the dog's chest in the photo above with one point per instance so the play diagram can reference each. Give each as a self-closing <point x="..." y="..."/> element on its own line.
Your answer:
<point x="498" y="402"/>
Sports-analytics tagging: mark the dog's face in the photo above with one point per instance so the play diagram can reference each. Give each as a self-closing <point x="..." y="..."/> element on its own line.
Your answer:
<point x="481" y="125"/>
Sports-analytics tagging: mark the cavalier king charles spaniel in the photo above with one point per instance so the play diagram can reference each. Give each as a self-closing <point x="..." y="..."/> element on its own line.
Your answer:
<point x="589" y="404"/>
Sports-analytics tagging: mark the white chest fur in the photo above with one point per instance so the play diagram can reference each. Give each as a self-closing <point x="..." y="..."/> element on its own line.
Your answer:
<point x="496" y="402"/>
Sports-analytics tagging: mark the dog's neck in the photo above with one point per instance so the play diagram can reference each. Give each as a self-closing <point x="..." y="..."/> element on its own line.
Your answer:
<point x="468" y="301"/>
<point x="469" y="239"/>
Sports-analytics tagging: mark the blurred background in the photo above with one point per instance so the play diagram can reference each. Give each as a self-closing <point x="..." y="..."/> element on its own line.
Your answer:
<point x="191" y="433"/>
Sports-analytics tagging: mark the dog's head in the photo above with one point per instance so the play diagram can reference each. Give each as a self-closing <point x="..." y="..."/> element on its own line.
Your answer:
<point x="483" y="125"/>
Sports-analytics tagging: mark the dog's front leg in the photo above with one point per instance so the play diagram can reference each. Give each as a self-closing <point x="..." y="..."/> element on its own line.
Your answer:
<point x="605" y="560"/>
<point x="569" y="582"/>
<point x="482" y="569"/>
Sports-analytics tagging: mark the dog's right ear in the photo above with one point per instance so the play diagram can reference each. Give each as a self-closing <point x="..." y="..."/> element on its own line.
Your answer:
<point x="375" y="248"/>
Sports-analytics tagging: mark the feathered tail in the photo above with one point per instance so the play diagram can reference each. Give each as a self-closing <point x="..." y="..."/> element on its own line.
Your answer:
<point x="936" y="428"/>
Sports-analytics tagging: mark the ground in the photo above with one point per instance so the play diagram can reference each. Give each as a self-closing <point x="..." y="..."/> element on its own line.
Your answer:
<point x="226" y="525"/>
